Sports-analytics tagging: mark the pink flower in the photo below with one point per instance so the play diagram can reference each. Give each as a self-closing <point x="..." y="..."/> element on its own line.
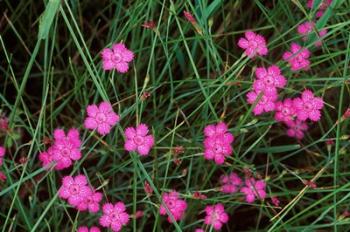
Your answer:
<point x="307" y="28"/>
<point x="190" y="17"/>
<point x="175" y="205"/>
<point x="217" y="144"/>
<point x="308" y="106"/>
<point x="254" y="189"/>
<point x="117" y="58"/>
<point x="215" y="216"/>
<point x="230" y="183"/>
<point x="216" y="129"/>
<point x="138" y="140"/>
<point x="66" y="148"/>
<point x="298" y="57"/>
<point x="101" y="118"/>
<point x="275" y="201"/>
<point x="4" y="123"/>
<point x="285" y="110"/>
<point x="198" y="230"/>
<point x="2" y="177"/>
<point x="265" y="104"/>
<point x="268" y="80"/>
<point x="218" y="147"/>
<point x="321" y="9"/>
<point x="91" y="202"/>
<point x="114" y="216"/>
<point x="254" y="44"/>
<point x="296" y="129"/>
<point x="74" y="189"/>
<point x="2" y="154"/>
<point x="46" y="157"/>
<point x="86" y="229"/>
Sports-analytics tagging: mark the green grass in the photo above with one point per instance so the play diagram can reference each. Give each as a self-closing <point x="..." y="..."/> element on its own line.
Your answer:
<point x="51" y="70"/>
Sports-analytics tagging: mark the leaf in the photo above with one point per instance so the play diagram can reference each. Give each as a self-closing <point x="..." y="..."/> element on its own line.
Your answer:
<point x="47" y="18"/>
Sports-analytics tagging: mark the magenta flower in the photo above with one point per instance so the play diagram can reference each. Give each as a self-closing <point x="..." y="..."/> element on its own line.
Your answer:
<point x="218" y="147"/>
<point x="254" y="189"/>
<point x="74" y="189"/>
<point x="66" y="148"/>
<point x="114" y="216"/>
<point x="189" y="17"/>
<point x="268" y="80"/>
<point x="2" y="154"/>
<point x="305" y="29"/>
<point x="297" y="57"/>
<point x="175" y="205"/>
<point x="254" y="44"/>
<point x="322" y="8"/>
<point x="198" y="230"/>
<point x="308" y="106"/>
<point x="265" y="104"/>
<point x="215" y="216"/>
<point x="4" y="123"/>
<point x="230" y="183"/>
<point x="101" y="118"/>
<point x="296" y="128"/>
<point x="217" y="144"/>
<point x="91" y="202"/>
<point x="285" y="111"/>
<point x="117" y="58"/>
<point x="86" y="229"/>
<point x="46" y="157"/>
<point x="138" y="140"/>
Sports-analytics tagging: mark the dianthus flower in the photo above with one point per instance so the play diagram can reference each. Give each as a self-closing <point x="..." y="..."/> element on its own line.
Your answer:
<point x="114" y="216"/>
<point x="86" y="229"/>
<point x="218" y="147"/>
<point x="321" y="9"/>
<point x="189" y="17"/>
<point x="306" y="28"/>
<point x="74" y="189"/>
<point x="216" y="129"/>
<point x="285" y="110"/>
<point x="175" y="205"/>
<point x="230" y="183"/>
<point x="91" y="202"/>
<point x="254" y="189"/>
<point x="297" y="57"/>
<point x="4" y="123"/>
<point x="46" y="157"/>
<point x="2" y="154"/>
<point x="254" y="44"/>
<point x="117" y="58"/>
<point x="217" y="144"/>
<point x="215" y="216"/>
<point x="198" y="230"/>
<point x="296" y="128"/>
<point x="66" y="148"/>
<point x="138" y="139"/>
<point x="266" y="103"/>
<point x="268" y="80"/>
<point x="308" y="106"/>
<point x="101" y="118"/>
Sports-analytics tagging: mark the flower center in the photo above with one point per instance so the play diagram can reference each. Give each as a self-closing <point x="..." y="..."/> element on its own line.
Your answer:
<point x="285" y="111"/>
<point x="253" y="43"/>
<point x="101" y="117"/>
<point x="171" y="204"/>
<point x="269" y="80"/>
<point x="115" y="216"/>
<point x="138" y="140"/>
<point x="308" y="106"/>
<point x="218" y="148"/>
<point x="74" y="189"/>
<point x="116" y="57"/>
<point x="65" y="151"/>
